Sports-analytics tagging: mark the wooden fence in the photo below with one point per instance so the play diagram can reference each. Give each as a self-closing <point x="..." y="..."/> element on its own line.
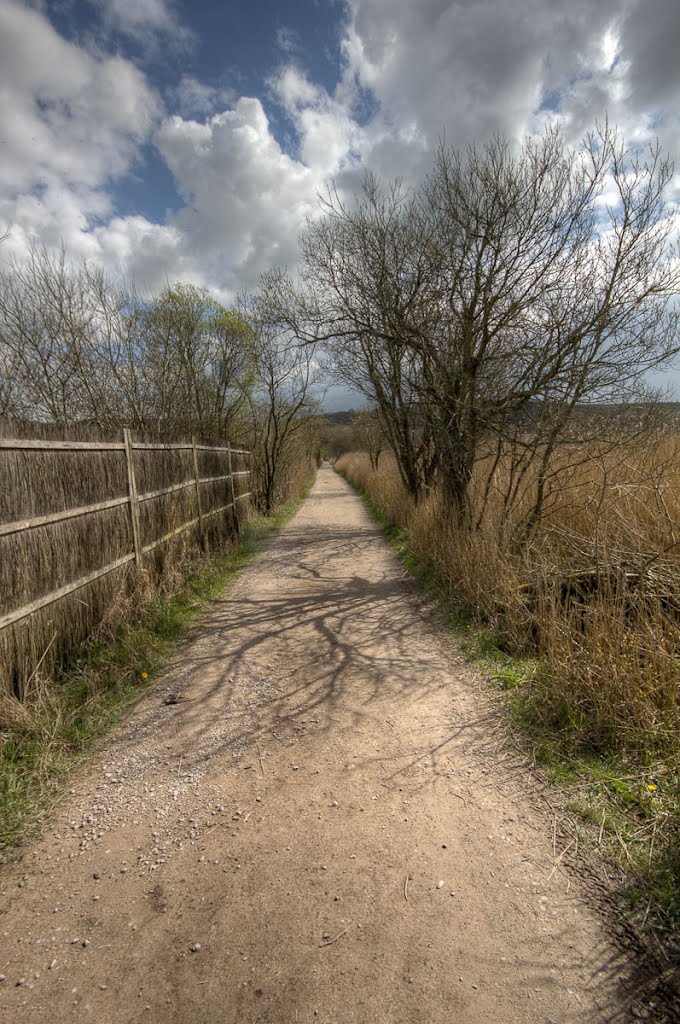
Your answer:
<point x="76" y="514"/>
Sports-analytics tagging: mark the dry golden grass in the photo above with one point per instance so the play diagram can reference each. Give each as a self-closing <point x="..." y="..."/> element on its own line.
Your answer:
<point x="595" y="591"/>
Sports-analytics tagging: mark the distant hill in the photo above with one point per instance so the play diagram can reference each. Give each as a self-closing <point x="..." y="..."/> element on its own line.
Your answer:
<point x="668" y="411"/>
<point x="343" y="418"/>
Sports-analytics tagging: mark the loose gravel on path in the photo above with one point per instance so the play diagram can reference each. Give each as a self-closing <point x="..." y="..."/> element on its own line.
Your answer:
<point x="315" y="816"/>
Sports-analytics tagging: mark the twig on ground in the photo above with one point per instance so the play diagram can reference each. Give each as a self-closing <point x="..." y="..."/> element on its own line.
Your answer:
<point x="599" y="838"/>
<point x="331" y="941"/>
<point x="406" y="887"/>
<point x="216" y="825"/>
<point x="660" y="945"/>
<point x="260" y="756"/>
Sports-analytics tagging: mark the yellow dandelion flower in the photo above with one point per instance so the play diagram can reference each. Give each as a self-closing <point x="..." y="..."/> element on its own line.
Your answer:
<point x="651" y="787"/>
<point x="145" y="675"/>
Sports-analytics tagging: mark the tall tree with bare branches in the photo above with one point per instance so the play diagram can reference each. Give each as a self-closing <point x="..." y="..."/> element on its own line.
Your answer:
<point x="499" y="297"/>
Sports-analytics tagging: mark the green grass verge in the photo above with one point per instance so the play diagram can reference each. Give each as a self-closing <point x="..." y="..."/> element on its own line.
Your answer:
<point x="625" y="809"/>
<point x="42" y="744"/>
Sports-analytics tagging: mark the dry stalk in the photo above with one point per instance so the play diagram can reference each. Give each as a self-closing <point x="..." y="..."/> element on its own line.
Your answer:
<point x="599" y="837"/>
<point x="651" y="845"/>
<point x="561" y="857"/>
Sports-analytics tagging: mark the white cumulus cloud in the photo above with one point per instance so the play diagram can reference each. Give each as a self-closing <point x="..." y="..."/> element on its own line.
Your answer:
<point x="246" y="199"/>
<point x="72" y="121"/>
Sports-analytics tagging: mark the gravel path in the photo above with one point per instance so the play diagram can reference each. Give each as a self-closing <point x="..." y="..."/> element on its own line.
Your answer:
<point x="314" y="817"/>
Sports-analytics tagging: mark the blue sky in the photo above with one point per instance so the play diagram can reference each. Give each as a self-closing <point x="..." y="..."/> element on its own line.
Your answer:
<point x="170" y="140"/>
<point x="231" y="49"/>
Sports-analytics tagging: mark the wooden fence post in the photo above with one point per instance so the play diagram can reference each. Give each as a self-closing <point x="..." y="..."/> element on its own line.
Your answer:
<point x="199" y="504"/>
<point x="134" y="503"/>
<point x="237" y="525"/>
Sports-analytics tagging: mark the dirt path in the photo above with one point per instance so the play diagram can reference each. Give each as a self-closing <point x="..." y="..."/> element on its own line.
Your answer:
<point x="326" y="827"/>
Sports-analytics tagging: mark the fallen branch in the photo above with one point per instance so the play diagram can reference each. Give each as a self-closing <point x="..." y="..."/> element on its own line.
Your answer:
<point x="217" y="824"/>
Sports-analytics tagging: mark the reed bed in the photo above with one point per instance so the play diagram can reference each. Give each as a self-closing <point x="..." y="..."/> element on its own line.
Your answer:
<point x="595" y="591"/>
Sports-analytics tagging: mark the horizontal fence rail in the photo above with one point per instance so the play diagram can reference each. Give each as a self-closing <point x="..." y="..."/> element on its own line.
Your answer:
<point x="58" y="517"/>
<point x="56" y="595"/>
<point x="40" y="444"/>
<point x="133" y="500"/>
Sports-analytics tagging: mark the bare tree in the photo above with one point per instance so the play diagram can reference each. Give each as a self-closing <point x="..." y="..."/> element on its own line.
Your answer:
<point x="350" y="304"/>
<point x="500" y="296"/>
<point x="46" y="315"/>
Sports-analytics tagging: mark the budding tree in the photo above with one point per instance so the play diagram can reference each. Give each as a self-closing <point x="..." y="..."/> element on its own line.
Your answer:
<point x="77" y="347"/>
<point x="196" y="358"/>
<point x="286" y="393"/>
